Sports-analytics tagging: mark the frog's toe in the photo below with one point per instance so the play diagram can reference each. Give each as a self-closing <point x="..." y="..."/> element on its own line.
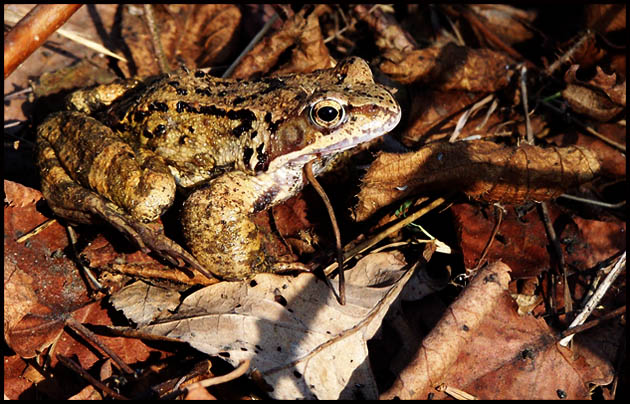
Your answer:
<point x="148" y="238"/>
<point x="282" y="267"/>
<point x="169" y="249"/>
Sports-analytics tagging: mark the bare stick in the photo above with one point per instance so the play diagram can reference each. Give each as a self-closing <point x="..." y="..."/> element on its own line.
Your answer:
<point x="597" y="296"/>
<point x="308" y="170"/>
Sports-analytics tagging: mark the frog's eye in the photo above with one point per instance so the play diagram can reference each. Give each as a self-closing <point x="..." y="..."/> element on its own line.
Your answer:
<point x="327" y="113"/>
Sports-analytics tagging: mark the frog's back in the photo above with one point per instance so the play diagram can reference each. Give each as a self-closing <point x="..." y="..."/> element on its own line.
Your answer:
<point x="204" y="126"/>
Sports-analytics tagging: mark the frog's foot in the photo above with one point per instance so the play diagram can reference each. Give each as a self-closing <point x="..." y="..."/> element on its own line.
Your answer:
<point x="283" y="267"/>
<point x="147" y="237"/>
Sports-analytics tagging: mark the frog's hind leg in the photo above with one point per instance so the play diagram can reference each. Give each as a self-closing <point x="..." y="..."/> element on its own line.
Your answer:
<point x="66" y="178"/>
<point x="219" y="230"/>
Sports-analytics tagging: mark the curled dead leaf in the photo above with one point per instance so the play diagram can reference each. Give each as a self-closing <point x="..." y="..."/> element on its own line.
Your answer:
<point x="600" y="98"/>
<point x="606" y="17"/>
<point x="450" y="67"/>
<point x="483" y="170"/>
<point x="301" y="30"/>
<point x="511" y="24"/>
<point x="390" y="34"/>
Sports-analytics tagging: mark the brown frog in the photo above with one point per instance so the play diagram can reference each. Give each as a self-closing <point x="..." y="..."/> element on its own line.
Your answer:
<point x="239" y="147"/>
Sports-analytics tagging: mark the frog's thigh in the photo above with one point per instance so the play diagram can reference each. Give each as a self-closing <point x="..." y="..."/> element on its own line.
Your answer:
<point x="218" y="228"/>
<point x="64" y="196"/>
<point x="94" y="157"/>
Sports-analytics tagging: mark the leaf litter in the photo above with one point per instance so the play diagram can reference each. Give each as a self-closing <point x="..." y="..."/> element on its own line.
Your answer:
<point x="524" y="360"/>
<point x="300" y="340"/>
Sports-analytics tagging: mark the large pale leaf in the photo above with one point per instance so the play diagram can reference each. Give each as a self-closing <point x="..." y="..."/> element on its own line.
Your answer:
<point x="303" y="343"/>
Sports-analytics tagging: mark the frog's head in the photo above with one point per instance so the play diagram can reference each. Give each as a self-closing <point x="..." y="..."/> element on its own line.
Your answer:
<point x="340" y="109"/>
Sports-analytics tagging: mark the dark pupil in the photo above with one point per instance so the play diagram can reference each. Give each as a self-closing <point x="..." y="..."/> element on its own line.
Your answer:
<point x="327" y="114"/>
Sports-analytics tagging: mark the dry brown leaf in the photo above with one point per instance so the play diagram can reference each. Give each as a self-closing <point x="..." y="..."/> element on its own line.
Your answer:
<point x="442" y="345"/>
<point x="601" y="98"/>
<point x="450" y="67"/>
<point x="198" y="35"/>
<point x="606" y="17"/>
<point x="310" y="52"/>
<point x="607" y="83"/>
<point x="389" y="33"/>
<point x="509" y="23"/>
<point x="483" y="170"/>
<point x="40" y="288"/>
<point x="300" y="340"/>
<point x="482" y="346"/>
<point x="613" y="160"/>
<point x="155" y="301"/>
<point x="524" y="361"/>
<point x="302" y="30"/>
<point x="521" y="241"/>
<point x="434" y="114"/>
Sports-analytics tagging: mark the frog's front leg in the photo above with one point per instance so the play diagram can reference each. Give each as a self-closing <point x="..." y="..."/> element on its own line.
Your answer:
<point x="88" y="173"/>
<point x="219" y="231"/>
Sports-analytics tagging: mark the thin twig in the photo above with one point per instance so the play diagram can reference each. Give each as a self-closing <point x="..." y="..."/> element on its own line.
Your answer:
<point x="528" y="124"/>
<point x="36" y="230"/>
<point x="308" y="171"/>
<point x="72" y="239"/>
<point x="461" y="122"/>
<point x="590" y="324"/>
<point x="80" y="328"/>
<point x="594" y="202"/>
<point x="382" y="235"/>
<point x="562" y="266"/>
<point x="587" y="128"/>
<point x="155" y="38"/>
<point x="566" y="57"/>
<point x="84" y="374"/>
<point x="597" y="296"/>
<point x="251" y="44"/>
<point x="498" y="214"/>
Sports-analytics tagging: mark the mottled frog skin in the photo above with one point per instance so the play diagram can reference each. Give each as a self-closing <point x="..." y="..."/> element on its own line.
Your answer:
<point x="237" y="147"/>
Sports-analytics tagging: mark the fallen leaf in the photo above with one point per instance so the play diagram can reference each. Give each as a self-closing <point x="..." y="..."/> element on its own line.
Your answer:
<point x="154" y="301"/>
<point x="41" y="287"/>
<point x="606" y="17"/>
<point x="525" y="361"/>
<point x="299" y="339"/>
<point x="449" y="67"/>
<point x="302" y="30"/>
<point x="197" y="35"/>
<point x="601" y="98"/>
<point x="389" y="33"/>
<point x="442" y="345"/>
<point x="483" y="347"/>
<point x="483" y="170"/>
<point x="511" y="24"/>
<point x="521" y="241"/>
